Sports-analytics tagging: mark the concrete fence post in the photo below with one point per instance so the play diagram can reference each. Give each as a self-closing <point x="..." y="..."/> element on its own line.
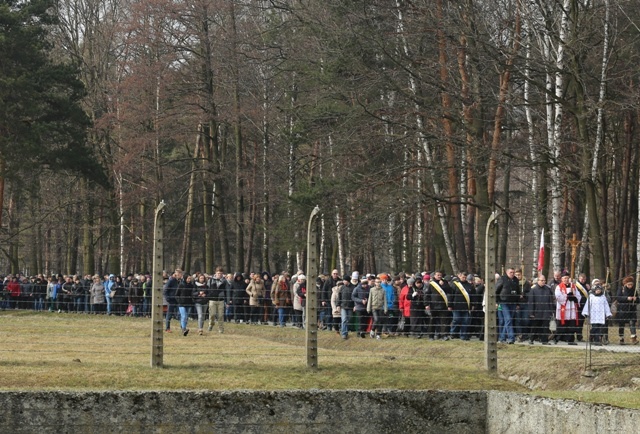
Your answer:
<point x="156" y="295"/>
<point x="490" y="320"/>
<point x="311" y="321"/>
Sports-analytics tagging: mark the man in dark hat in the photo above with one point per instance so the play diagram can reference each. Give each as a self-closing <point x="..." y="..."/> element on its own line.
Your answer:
<point x="627" y="301"/>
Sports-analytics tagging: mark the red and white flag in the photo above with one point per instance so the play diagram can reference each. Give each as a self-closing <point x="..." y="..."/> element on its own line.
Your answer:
<point x="541" y="253"/>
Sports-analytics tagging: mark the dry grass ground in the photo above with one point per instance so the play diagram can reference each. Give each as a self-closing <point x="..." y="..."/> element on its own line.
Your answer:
<point x="83" y="352"/>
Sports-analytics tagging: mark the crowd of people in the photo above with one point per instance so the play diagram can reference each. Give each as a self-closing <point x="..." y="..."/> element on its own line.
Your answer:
<point x="414" y="305"/>
<point x="557" y="311"/>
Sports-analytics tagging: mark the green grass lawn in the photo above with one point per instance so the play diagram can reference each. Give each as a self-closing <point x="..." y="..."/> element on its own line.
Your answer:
<point x="50" y="351"/>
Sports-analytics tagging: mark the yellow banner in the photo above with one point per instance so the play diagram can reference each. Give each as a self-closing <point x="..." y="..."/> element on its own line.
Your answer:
<point x="441" y="291"/>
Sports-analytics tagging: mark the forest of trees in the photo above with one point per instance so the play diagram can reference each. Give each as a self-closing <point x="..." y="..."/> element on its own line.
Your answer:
<point x="408" y="122"/>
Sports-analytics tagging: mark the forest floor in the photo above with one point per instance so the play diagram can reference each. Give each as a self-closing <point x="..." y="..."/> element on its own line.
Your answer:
<point x="75" y="352"/>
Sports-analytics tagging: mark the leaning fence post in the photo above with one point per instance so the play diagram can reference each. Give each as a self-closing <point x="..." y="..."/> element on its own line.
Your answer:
<point x="311" y="321"/>
<point x="156" y="295"/>
<point x="490" y="317"/>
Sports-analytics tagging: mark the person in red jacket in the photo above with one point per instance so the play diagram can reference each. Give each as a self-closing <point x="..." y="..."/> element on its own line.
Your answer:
<point x="404" y="305"/>
<point x="14" y="293"/>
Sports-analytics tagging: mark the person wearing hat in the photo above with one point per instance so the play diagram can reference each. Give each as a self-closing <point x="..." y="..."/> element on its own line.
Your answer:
<point x="345" y="304"/>
<point x="299" y="301"/>
<point x="627" y="302"/>
<point x="335" y="304"/>
<point x="417" y="297"/>
<point x="360" y="297"/>
<point x="598" y="311"/>
<point x="567" y="309"/>
<point x="404" y="305"/>
<point x="135" y="296"/>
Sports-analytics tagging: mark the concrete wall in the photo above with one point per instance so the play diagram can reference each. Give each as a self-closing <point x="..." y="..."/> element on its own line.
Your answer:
<point x="244" y="412"/>
<point x="517" y="413"/>
<point x="335" y="412"/>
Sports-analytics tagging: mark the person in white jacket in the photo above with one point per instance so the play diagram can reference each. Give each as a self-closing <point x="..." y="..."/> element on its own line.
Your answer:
<point x="598" y="311"/>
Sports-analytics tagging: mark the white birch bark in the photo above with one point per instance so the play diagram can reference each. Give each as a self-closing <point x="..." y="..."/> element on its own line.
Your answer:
<point x="419" y="215"/>
<point x="121" y="212"/>
<point x="638" y="250"/>
<point x="555" y="178"/>
<point x="530" y="130"/>
<point x="322" y="256"/>
<point x="290" y="175"/>
<point x="391" y="251"/>
<point x="425" y="148"/>
<point x="403" y="217"/>
<point x="339" y="224"/>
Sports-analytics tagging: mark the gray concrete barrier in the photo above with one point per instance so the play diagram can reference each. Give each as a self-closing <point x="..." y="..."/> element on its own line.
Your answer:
<point x="326" y="411"/>
<point x="518" y="413"/>
<point x="243" y="412"/>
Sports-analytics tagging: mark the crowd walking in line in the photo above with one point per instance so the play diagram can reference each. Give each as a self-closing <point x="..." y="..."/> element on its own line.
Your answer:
<point x="417" y="305"/>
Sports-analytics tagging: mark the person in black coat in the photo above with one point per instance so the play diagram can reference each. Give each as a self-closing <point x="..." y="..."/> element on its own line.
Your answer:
<point x="346" y="305"/>
<point x="239" y="296"/>
<point x="437" y="305"/>
<point x="462" y="292"/>
<point x="169" y="291"/>
<point x="360" y="296"/>
<point x="418" y="315"/>
<point x="627" y="302"/>
<point x="508" y="293"/>
<point x="542" y="307"/>
<point x="184" y="298"/>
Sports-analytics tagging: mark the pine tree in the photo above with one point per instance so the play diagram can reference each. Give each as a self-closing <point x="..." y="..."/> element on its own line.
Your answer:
<point x="41" y="120"/>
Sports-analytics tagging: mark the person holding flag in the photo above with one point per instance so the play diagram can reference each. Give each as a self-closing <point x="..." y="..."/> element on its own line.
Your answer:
<point x="541" y="252"/>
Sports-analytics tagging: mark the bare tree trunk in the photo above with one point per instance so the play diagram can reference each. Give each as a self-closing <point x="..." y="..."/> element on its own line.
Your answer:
<point x="253" y="209"/>
<point x="188" y="218"/>
<point x="143" y="264"/>
<point x="87" y="234"/>
<point x="424" y="146"/>
<point x="13" y="215"/>
<point x="592" y="227"/>
<point x="555" y="128"/>
<point x="265" y="171"/>
<point x="452" y="158"/>
<point x="3" y="167"/>
<point x="218" y="203"/>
